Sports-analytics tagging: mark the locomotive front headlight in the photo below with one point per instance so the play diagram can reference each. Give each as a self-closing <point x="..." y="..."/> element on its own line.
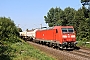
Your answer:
<point x="64" y="36"/>
<point x="72" y="36"/>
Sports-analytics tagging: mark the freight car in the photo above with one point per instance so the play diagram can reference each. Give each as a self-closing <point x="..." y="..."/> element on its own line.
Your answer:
<point x="28" y="35"/>
<point x="59" y="36"/>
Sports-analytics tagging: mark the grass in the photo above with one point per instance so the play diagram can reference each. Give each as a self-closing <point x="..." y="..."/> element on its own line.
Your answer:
<point x="83" y="44"/>
<point x="21" y="51"/>
<point x="25" y="51"/>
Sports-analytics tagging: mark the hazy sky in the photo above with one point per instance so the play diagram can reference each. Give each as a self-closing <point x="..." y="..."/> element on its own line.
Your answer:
<point x="30" y="13"/>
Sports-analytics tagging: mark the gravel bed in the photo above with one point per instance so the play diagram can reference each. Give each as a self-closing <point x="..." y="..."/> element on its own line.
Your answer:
<point x="58" y="54"/>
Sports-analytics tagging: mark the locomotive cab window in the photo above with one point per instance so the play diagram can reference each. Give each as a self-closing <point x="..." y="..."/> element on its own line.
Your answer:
<point x="70" y="30"/>
<point x="65" y="30"/>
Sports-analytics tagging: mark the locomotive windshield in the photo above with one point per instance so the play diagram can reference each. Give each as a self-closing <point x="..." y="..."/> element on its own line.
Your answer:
<point x="71" y="30"/>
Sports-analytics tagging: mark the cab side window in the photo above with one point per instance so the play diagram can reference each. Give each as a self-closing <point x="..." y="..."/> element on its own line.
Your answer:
<point x="56" y="31"/>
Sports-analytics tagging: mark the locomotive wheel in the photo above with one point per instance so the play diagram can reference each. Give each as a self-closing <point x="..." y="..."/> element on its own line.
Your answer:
<point x="50" y="44"/>
<point x="60" y="47"/>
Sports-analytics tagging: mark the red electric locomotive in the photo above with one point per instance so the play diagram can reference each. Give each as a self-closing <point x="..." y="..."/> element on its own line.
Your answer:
<point x="60" y="36"/>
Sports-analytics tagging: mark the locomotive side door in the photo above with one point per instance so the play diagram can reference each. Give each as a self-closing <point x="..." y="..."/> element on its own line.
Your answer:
<point x="54" y="35"/>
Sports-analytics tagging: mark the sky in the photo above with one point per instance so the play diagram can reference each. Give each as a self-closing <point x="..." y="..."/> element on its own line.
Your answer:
<point x="29" y="14"/>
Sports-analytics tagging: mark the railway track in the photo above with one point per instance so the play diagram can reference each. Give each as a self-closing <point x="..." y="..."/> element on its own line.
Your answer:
<point x="83" y="52"/>
<point x="80" y="54"/>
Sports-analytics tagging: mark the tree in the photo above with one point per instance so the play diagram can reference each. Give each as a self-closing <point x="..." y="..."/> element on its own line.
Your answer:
<point x="53" y="16"/>
<point x="19" y="29"/>
<point x="84" y="1"/>
<point x="7" y="28"/>
<point x="57" y="16"/>
<point x="81" y="24"/>
<point x="80" y="19"/>
<point x="69" y="15"/>
<point x="8" y="35"/>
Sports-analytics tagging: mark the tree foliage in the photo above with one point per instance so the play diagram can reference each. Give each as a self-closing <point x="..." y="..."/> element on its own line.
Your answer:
<point x="53" y="16"/>
<point x="7" y="28"/>
<point x="8" y="35"/>
<point x="80" y="19"/>
<point x="19" y="29"/>
<point x="84" y="1"/>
